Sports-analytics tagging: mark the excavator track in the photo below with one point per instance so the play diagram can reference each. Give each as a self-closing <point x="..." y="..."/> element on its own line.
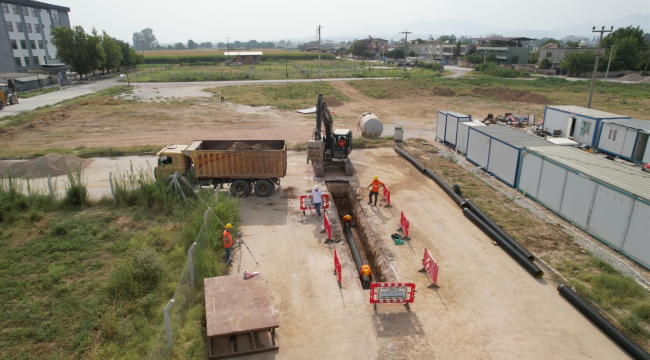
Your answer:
<point x="349" y="170"/>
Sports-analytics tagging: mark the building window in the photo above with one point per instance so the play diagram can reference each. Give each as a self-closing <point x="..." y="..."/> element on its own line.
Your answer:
<point x="27" y="62"/>
<point x="5" y="8"/>
<point x="18" y="63"/>
<point x="19" y="27"/>
<point x="14" y="8"/>
<point x="585" y="127"/>
<point x="32" y="43"/>
<point x="28" y="27"/>
<point x="40" y="44"/>
<point x="55" y="18"/>
<point x="10" y="26"/>
<point x="25" y="11"/>
<point x="37" y="27"/>
<point x="549" y="54"/>
<point x="14" y="44"/>
<point x="612" y="135"/>
<point x="36" y="60"/>
<point x="33" y="12"/>
<point x="23" y="44"/>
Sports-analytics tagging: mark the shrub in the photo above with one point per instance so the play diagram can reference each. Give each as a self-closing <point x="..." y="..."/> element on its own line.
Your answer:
<point x="545" y="63"/>
<point x="492" y="69"/>
<point x="146" y="269"/>
<point x="76" y="192"/>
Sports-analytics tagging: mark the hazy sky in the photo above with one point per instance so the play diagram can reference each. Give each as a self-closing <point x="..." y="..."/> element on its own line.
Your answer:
<point x="212" y="20"/>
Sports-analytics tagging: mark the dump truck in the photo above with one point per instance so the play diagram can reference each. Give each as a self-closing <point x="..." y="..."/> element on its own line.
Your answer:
<point x="244" y="165"/>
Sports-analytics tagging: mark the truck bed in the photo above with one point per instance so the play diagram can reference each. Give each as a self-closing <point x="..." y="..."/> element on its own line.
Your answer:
<point x="213" y="159"/>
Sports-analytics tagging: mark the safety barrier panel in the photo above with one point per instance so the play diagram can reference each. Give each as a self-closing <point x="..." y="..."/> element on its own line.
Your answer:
<point x="306" y="202"/>
<point x="389" y="292"/>
<point x="328" y="226"/>
<point x="404" y="225"/>
<point x="386" y="195"/>
<point x="431" y="266"/>
<point x="337" y="267"/>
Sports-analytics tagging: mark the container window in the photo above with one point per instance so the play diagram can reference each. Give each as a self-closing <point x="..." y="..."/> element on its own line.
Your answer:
<point x="612" y="135"/>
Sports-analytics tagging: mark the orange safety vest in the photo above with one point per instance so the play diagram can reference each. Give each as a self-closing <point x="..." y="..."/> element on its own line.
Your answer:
<point x="365" y="270"/>
<point x="341" y="143"/>
<point x="347" y="218"/>
<point x="227" y="239"/>
<point x="375" y="185"/>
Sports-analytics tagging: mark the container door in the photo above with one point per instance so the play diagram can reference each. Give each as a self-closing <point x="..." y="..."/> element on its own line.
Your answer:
<point x="629" y="142"/>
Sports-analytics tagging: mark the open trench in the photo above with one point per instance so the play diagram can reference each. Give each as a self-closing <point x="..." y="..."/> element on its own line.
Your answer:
<point x="368" y="244"/>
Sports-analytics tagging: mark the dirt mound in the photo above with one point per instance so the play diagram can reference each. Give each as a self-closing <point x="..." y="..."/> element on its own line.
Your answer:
<point x="504" y="94"/>
<point x="241" y="146"/>
<point x="52" y="164"/>
<point x="631" y="77"/>
<point x="442" y="91"/>
<point x="331" y="101"/>
<point x="646" y="80"/>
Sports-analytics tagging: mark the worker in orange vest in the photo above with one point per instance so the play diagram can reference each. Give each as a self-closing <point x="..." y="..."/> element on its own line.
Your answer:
<point x="366" y="276"/>
<point x="227" y="242"/>
<point x="376" y="184"/>
<point x="347" y="220"/>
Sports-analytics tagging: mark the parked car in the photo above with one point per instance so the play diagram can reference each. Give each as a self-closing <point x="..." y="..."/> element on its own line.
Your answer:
<point x="235" y="64"/>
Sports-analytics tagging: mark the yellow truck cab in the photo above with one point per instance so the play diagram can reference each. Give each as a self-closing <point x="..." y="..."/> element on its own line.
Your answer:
<point x="170" y="160"/>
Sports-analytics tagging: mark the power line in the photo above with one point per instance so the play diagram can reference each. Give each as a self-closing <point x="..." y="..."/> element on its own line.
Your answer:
<point x="406" y="37"/>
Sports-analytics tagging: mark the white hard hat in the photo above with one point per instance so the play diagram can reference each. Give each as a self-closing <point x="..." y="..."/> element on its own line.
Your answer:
<point x="315" y="187"/>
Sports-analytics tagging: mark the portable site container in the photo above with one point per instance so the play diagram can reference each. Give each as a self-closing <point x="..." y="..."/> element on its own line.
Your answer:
<point x="611" y="201"/>
<point x="451" y="129"/>
<point x="463" y="132"/>
<point x="626" y="138"/>
<point x="497" y="150"/>
<point x="441" y="125"/>
<point x="580" y="124"/>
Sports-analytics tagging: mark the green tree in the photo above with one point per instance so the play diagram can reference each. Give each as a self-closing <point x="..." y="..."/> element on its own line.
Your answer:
<point x="534" y="58"/>
<point x="397" y="53"/>
<point x="577" y="63"/>
<point x="444" y="38"/>
<point x="549" y="41"/>
<point x="457" y="51"/>
<point x="129" y="56"/>
<point x="112" y="52"/>
<point x="191" y="44"/>
<point x="169" y="47"/>
<point x="206" y="45"/>
<point x="179" y="46"/>
<point x="358" y="47"/>
<point x="412" y="53"/>
<point x="144" y="40"/>
<point x="82" y="52"/>
<point x="545" y="63"/>
<point x="572" y="44"/>
<point x="630" y="49"/>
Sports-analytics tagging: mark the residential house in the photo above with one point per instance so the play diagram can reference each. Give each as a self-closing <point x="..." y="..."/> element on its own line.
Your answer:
<point x="556" y="52"/>
<point x="506" y="47"/>
<point x="436" y="52"/>
<point x="376" y="45"/>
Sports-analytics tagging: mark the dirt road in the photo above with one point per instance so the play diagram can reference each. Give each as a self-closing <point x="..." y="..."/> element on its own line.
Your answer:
<point x="486" y="307"/>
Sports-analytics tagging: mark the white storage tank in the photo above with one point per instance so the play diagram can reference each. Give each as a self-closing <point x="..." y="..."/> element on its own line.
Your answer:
<point x="370" y="126"/>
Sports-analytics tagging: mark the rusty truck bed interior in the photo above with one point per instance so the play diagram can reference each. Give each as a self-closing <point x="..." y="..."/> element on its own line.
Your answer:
<point x="226" y="144"/>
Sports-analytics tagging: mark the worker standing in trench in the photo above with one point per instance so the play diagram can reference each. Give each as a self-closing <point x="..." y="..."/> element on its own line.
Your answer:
<point x="347" y="220"/>
<point x="227" y="242"/>
<point x="366" y="276"/>
<point x="376" y="184"/>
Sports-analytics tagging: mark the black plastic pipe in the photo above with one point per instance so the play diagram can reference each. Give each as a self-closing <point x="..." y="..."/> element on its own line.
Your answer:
<point x="499" y="231"/>
<point x="353" y="248"/>
<point x="446" y="188"/>
<point x="410" y="159"/>
<point x="605" y="326"/>
<point x="505" y="245"/>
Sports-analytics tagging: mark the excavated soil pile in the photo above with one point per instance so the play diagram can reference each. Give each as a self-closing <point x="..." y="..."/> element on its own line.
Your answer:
<point x="442" y="91"/>
<point x="631" y="77"/>
<point x="331" y="101"/>
<point x="241" y="146"/>
<point x="504" y="94"/>
<point x="52" y="164"/>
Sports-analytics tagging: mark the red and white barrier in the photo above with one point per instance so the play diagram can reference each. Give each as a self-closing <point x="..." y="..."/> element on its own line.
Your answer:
<point x="386" y="292"/>
<point x="404" y="225"/>
<point x="431" y="266"/>
<point x="386" y="195"/>
<point x="337" y="267"/>
<point x="328" y="226"/>
<point x="306" y="202"/>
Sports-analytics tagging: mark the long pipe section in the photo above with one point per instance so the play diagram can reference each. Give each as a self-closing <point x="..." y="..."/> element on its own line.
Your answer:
<point x="353" y="247"/>
<point x="520" y="258"/>
<point x="605" y="326"/>
<point x="498" y="230"/>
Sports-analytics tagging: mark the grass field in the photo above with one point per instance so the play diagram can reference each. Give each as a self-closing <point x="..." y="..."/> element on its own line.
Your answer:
<point x="28" y="94"/>
<point x="627" y="99"/>
<point x="194" y="52"/>
<point x="272" y="70"/>
<point x="89" y="280"/>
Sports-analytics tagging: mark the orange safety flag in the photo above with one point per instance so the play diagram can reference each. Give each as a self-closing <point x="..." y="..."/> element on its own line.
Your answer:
<point x="375" y="185"/>
<point x="227" y="239"/>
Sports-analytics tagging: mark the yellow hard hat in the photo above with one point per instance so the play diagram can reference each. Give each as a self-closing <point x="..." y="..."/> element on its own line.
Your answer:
<point x="228" y="226"/>
<point x="376" y="177"/>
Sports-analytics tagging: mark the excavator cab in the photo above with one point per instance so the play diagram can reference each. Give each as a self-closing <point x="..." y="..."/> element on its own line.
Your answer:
<point x="342" y="143"/>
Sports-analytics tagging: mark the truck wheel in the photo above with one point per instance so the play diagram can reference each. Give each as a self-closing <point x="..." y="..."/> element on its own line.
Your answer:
<point x="13" y="101"/>
<point x="263" y="188"/>
<point x="240" y="188"/>
<point x="1" y="105"/>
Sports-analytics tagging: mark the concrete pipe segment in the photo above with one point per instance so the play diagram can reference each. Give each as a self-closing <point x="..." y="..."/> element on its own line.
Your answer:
<point x="370" y="126"/>
<point x="499" y="231"/>
<point x="605" y="326"/>
<point x="505" y="245"/>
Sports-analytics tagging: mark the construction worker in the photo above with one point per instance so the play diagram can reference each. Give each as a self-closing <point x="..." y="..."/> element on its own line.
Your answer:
<point x="227" y="242"/>
<point x="347" y="220"/>
<point x="376" y="184"/>
<point x="341" y="143"/>
<point x="316" y="199"/>
<point x="223" y="101"/>
<point x="366" y="276"/>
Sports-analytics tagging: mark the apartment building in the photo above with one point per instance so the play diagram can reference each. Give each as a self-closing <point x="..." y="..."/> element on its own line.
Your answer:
<point x="435" y="52"/>
<point x="26" y="40"/>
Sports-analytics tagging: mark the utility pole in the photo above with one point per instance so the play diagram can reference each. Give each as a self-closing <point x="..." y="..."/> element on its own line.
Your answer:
<point x="610" y="59"/>
<point x="593" y="75"/>
<point x="646" y="67"/>
<point x="227" y="46"/>
<point x="406" y="33"/>
<point x="319" y="27"/>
